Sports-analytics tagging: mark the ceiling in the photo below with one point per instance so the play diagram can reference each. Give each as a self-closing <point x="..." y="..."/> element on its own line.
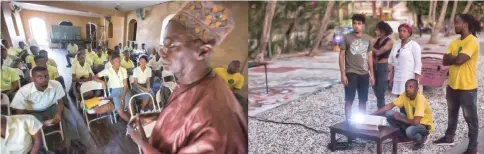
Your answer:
<point x="123" y="4"/>
<point x="44" y="8"/>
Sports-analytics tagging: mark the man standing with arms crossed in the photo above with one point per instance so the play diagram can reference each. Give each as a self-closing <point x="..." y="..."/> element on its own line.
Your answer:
<point x="356" y="65"/>
<point x="462" y="89"/>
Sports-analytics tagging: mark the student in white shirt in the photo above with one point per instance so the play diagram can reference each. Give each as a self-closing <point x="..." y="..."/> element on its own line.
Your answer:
<point x="44" y="99"/>
<point x="117" y="84"/>
<point x="142" y="76"/>
<point x="20" y="134"/>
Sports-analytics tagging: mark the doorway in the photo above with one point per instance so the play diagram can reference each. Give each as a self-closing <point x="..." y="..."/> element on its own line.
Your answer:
<point x="133" y="27"/>
<point x="91" y="33"/>
<point x="38" y="32"/>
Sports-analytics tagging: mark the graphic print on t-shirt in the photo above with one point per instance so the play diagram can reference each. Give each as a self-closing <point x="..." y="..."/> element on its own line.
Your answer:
<point x="360" y="47"/>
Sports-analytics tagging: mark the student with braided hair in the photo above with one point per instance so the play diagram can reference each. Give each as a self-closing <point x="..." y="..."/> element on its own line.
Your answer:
<point x="462" y="57"/>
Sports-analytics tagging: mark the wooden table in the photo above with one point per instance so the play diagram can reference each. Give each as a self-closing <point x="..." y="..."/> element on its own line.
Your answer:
<point x="256" y="64"/>
<point x="345" y="128"/>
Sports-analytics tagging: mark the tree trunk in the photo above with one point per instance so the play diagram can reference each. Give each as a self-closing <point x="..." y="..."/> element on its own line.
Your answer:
<point x="373" y="9"/>
<point x="292" y="26"/>
<point x="322" y="29"/>
<point x="266" y="31"/>
<point x="468" y="6"/>
<point x="440" y="22"/>
<point x="451" y="30"/>
<point x="431" y="9"/>
<point x="434" y="12"/>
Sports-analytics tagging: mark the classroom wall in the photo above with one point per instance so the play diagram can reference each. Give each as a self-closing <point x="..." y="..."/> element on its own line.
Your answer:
<point x="234" y="47"/>
<point x="55" y="18"/>
<point x="9" y="19"/>
<point x="118" y="28"/>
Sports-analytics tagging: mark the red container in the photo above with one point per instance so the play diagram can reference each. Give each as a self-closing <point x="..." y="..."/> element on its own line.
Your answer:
<point x="434" y="73"/>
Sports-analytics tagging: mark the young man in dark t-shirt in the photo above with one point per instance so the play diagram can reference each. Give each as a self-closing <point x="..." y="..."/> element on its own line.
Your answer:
<point x="356" y="65"/>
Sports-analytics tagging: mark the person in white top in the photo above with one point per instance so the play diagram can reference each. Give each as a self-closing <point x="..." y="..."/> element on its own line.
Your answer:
<point x="405" y="60"/>
<point x="20" y="134"/>
<point x="141" y="83"/>
<point x="155" y="63"/>
<point x="44" y="99"/>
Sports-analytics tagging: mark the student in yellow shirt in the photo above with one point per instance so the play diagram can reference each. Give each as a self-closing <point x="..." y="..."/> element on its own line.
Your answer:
<point x="462" y="56"/>
<point x="72" y="50"/>
<point x="117" y="84"/>
<point x="24" y="50"/>
<point x="20" y="134"/>
<point x="30" y="58"/>
<point x="9" y="60"/>
<point x="99" y="60"/>
<point x="81" y="72"/>
<point x="126" y="62"/>
<point x="231" y="76"/>
<point x="417" y="123"/>
<point x="9" y="81"/>
<point x="51" y="70"/>
<point x="50" y="61"/>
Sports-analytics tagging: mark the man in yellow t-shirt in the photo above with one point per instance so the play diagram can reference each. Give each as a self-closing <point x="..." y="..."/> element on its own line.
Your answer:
<point x="126" y="62"/>
<point x="52" y="71"/>
<point x="9" y="81"/>
<point x="30" y="58"/>
<point x="72" y="50"/>
<point x="462" y="55"/>
<point x="231" y="75"/>
<point x="416" y="123"/>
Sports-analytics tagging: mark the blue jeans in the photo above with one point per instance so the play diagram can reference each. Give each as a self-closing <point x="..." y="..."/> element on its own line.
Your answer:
<point x="467" y="100"/>
<point x="116" y="96"/>
<point x="416" y="133"/>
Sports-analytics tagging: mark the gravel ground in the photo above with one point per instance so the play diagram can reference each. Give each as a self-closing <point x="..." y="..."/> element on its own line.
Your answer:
<point x="326" y="107"/>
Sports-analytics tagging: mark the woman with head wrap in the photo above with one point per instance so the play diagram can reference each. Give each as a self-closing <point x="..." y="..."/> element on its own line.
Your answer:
<point x="405" y="60"/>
<point x="202" y="114"/>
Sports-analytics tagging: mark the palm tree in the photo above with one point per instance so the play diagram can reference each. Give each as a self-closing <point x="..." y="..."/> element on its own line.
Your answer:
<point x="468" y="6"/>
<point x="322" y="29"/>
<point x="440" y="22"/>
<point x="451" y="30"/>
<point x="266" y="30"/>
<point x="434" y="10"/>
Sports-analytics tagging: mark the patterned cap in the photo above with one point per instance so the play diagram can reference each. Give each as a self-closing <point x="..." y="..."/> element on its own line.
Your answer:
<point x="207" y="20"/>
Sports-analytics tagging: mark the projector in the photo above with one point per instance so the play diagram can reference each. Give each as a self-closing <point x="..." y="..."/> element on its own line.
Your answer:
<point x="368" y="122"/>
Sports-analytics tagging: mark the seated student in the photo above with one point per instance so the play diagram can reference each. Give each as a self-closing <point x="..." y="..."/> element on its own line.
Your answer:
<point x="126" y="62"/>
<point x="44" y="99"/>
<point x="9" y="81"/>
<point x="81" y="71"/>
<point x="99" y="60"/>
<point x="9" y="60"/>
<point x="30" y="58"/>
<point x="72" y="51"/>
<point x="155" y="63"/>
<point x="234" y="80"/>
<point x="24" y="50"/>
<point x="169" y="84"/>
<point x="143" y="49"/>
<point x="20" y="134"/>
<point x="13" y="51"/>
<point x="417" y="124"/>
<point x="51" y="70"/>
<point x="50" y="61"/>
<point x="142" y="75"/>
<point x="90" y="53"/>
<point x="117" y="84"/>
<point x="128" y="46"/>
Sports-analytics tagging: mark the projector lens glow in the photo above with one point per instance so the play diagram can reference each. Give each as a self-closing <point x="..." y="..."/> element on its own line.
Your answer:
<point x="357" y="118"/>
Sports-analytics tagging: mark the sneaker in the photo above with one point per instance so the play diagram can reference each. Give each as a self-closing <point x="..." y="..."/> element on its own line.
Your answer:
<point x="444" y="141"/>
<point x="68" y="66"/>
<point x="471" y="151"/>
<point x="418" y="146"/>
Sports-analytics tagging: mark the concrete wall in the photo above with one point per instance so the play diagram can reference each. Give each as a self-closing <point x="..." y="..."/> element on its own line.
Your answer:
<point x="118" y="34"/>
<point x="11" y="28"/>
<point x="55" y="18"/>
<point x="234" y="47"/>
